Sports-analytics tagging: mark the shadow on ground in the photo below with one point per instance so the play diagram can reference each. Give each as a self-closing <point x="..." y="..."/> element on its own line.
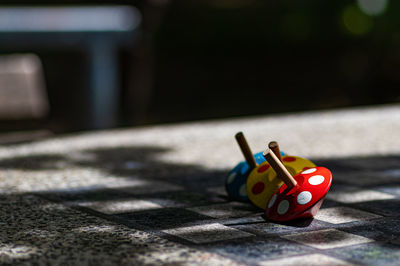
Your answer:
<point x="163" y="196"/>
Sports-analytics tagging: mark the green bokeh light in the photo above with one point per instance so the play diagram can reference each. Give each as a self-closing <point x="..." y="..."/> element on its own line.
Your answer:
<point x="355" y="21"/>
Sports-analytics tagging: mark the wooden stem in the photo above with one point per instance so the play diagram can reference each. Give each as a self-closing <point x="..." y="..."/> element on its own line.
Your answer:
<point x="274" y="146"/>
<point x="244" y="147"/>
<point x="280" y="169"/>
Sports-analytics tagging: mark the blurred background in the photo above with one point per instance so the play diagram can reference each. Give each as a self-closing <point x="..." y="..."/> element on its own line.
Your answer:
<point x="161" y="61"/>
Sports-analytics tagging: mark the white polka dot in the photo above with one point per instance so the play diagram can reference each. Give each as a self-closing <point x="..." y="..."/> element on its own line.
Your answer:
<point x="309" y="171"/>
<point x="283" y="207"/>
<point x="242" y="190"/>
<point x="316" y="180"/>
<point x="272" y="201"/>
<point x="231" y="177"/>
<point x="304" y="197"/>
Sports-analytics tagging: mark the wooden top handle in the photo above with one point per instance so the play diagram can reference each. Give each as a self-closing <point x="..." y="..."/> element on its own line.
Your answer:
<point x="280" y="169"/>
<point x="244" y="147"/>
<point x="274" y="146"/>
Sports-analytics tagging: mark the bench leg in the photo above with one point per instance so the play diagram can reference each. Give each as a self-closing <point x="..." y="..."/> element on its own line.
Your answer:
<point x="103" y="86"/>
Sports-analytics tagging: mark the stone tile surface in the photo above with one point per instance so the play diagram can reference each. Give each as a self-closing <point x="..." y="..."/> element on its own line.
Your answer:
<point x="328" y="238"/>
<point x="356" y="195"/>
<point x="307" y="260"/>
<point x="207" y="233"/>
<point x="166" y="218"/>
<point x="120" y="206"/>
<point x="368" y="178"/>
<point x="35" y="231"/>
<point x="181" y="199"/>
<point x="370" y="254"/>
<point x="268" y="228"/>
<point x="219" y="190"/>
<point x="388" y="207"/>
<point x="225" y="210"/>
<point x="150" y="187"/>
<point x="338" y="215"/>
<point x="393" y="189"/>
<point x="255" y="250"/>
<point x="131" y="197"/>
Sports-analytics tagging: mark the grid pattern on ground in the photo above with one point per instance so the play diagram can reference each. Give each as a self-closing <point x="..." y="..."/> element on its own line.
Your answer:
<point x="358" y="222"/>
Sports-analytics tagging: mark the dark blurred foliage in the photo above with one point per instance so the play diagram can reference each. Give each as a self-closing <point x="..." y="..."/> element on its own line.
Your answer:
<point x="273" y="56"/>
<point x="221" y="58"/>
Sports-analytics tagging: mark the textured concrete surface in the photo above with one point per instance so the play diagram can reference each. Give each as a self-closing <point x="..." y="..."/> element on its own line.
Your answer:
<point x="155" y="195"/>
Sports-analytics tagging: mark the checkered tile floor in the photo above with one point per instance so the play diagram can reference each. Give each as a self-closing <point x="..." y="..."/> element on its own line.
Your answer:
<point x="358" y="223"/>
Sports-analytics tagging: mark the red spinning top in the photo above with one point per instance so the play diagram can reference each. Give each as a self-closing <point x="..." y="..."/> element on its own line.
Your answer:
<point x="301" y="196"/>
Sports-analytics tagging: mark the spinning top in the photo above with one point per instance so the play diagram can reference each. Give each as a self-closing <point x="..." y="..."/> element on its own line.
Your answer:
<point x="263" y="182"/>
<point x="300" y="196"/>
